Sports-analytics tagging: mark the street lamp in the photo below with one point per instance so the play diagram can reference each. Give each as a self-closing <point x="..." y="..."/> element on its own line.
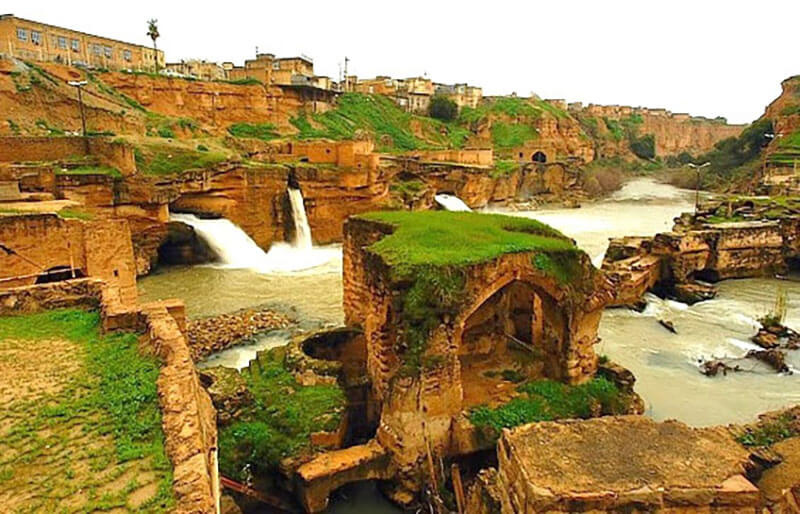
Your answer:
<point x="697" y="168"/>
<point x="79" y="84"/>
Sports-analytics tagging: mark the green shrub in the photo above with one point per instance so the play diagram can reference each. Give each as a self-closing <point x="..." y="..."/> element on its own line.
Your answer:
<point x="166" y="132"/>
<point x="644" y="147"/>
<point x="443" y="108"/>
<point x="280" y="420"/>
<point x="202" y="148"/>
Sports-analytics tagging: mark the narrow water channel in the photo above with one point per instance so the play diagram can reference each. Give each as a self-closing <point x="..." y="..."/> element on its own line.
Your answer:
<point x="665" y="364"/>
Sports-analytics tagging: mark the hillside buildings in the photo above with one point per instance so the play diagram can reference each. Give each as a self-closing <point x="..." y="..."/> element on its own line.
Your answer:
<point x="35" y="41"/>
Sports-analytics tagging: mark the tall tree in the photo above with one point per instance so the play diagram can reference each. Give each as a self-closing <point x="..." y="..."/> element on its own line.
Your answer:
<point x="152" y="32"/>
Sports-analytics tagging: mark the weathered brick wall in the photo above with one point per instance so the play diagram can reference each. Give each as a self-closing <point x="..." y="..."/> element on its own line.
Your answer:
<point x="100" y="249"/>
<point x="21" y="149"/>
<point x="31" y="149"/>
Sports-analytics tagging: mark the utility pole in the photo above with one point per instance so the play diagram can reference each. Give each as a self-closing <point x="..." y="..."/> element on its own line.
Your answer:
<point x="697" y="184"/>
<point x="79" y="86"/>
<point x="346" y="79"/>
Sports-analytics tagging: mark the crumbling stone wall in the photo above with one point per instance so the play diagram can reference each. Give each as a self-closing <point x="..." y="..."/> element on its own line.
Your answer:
<point x="23" y="149"/>
<point x="100" y="249"/>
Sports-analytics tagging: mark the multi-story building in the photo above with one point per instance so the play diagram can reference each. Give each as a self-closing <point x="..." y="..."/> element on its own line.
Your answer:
<point x="414" y="94"/>
<point x="294" y="75"/>
<point x="35" y="41"/>
<point x="463" y="95"/>
<point x="198" y="69"/>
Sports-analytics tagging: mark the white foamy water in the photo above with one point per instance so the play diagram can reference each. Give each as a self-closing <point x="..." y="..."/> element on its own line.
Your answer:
<point x="665" y="364"/>
<point x="237" y="250"/>
<point x="451" y="203"/>
<point x="302" y="230"/>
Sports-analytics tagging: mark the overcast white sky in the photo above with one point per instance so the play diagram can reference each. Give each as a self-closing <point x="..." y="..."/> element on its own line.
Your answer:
<point x="706" y="57"/>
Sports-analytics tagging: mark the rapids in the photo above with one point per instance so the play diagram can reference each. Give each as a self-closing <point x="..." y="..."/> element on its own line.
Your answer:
<point x="665" y="364"/>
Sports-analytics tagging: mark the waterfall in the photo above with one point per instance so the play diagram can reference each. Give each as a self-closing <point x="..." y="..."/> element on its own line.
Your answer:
<point x="237" y="250"/>
<point x="233" y="246"/>
<point x="302" y="232"/>
<point x="451" y="202"/>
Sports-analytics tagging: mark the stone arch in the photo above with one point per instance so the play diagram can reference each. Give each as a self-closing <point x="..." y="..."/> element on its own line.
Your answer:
<point x="517" y="323"/>
<point x="539" y="156"/>
<point x="59" y="274"/>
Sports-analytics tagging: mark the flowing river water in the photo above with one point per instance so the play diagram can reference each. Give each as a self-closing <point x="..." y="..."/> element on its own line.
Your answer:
<point x="665" y="364"/>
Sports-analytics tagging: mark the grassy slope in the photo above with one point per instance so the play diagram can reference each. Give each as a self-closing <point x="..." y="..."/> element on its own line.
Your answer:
<point x="281" y="419"/>
<point x="380" y="116"/>
<point x="110" y="405"/>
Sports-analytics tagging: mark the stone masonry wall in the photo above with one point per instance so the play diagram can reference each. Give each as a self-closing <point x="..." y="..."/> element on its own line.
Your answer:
<point x="100" y="249"/>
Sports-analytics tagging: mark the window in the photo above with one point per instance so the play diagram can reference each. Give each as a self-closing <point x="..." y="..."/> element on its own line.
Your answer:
<point x="107" y="51"/>
<point x="36" y="37"/>
<point x="22" y="34"/>
<point x="97" y="49"/>
<point x="76" y="45"/>
<point x="126" y="54"/>
<point x="276" y="65"/>
<point x="62" y="42"/>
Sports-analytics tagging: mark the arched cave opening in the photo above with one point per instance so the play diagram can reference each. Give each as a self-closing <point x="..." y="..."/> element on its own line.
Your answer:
<point x="539" y="156"/>
<point x="59" y="274"/>
<point x="182" y="245"/>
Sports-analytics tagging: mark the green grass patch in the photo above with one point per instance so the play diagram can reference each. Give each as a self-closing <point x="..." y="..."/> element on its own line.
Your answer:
<point x="546" y="400"/>
<point x="113" y="395"/>
<point x="509" y="135"/>
<point x="768" y="432"/>
<point x="280" y="420"/>
<point x="380" y="116"/>
<point x="504" y="168"/>
<point x="249" y="81"/>
<point x="443" y="238"/>
<point x="70" y="213"/>
<point x="263" y="131"/>
<point x="167" y="159"/>
<point x="90" y="170"/>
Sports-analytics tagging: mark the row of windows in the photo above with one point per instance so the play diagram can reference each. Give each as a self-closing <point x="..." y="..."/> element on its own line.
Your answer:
<point x="75" y="45"/>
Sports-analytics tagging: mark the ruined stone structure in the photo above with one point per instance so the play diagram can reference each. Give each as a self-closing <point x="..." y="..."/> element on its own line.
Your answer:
<point x="615" y="465"/>
<point x="43" y="248"/>
<point x="671" y="263"/>
<point x="504" y="299"/>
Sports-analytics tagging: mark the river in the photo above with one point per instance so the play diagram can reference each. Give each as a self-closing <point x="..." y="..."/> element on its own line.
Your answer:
<point x="665" y="364"/>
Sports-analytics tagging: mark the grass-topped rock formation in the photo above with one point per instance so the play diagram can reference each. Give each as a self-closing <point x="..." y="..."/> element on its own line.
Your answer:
<point x="459" y="310"/>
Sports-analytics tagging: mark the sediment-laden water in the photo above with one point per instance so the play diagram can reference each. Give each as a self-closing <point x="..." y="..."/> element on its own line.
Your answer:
<point x="664" y="363"/>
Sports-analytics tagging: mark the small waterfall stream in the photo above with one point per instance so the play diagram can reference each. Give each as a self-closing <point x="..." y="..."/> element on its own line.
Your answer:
<point x="302" y="231"/>
<point x="451" y="202"/>
<point x="238" y="251"/>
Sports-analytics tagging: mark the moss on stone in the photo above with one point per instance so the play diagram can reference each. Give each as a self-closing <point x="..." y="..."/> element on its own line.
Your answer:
<point x="547" y="400"/>
<point x="279" y="422"/>
<point x="444" y="238"/>
<point x="428" y="251"/>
